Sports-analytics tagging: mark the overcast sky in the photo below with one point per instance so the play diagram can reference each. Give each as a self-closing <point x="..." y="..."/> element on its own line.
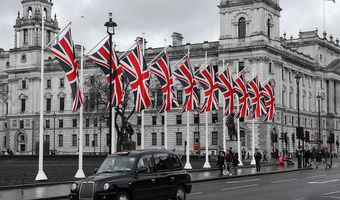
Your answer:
<point x="197" y="20"/>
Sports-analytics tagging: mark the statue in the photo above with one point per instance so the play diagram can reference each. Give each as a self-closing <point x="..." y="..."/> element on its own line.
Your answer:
<point x="231" y="127"/>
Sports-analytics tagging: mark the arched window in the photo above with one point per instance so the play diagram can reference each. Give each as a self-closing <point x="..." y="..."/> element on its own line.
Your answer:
<point x="30" y="13"/>
<point x="242" y="27"/>
<point x="268" y="28"/>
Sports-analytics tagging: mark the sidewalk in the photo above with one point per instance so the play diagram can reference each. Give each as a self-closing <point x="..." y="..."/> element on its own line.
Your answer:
<point x="62" y="190"/>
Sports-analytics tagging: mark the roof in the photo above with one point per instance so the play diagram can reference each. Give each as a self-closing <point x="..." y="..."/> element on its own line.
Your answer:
<point x="334" y="66"/>
<point x="137" y="152"/>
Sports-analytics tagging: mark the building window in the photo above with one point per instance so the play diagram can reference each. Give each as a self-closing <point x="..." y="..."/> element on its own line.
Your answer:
<point x="74" y="140"/>
<point x="47" y="123"/>
<point x="74" y="122"/>
<point x="23" y="84"/>
<point x="60" y="140"/>
<point x="49" y="83"/>
<point x="87" y="140"/>
<point x="62" y="104"/>
<point x="95" y="122"/>
<point x="61" y="123"/>
<point x="139" y="139"/>
<point x="179" y="138"/>
<point x="86" y="103"/>
<point x="154" y="139"/>
<point x="87" y="122"/>
<point x="48" y="36"/>
<point x="62" y="82"/>
<point x="47" y="138"/>
<point x="108" y="139"/>
<point x="162" y="139"/>
<point x="197" y="137"/>
<point x="180" y="97"/>
<point x="270" y="68"/>
<point x="243" y="138"/>
<point x="108" y="122"/>
<point x="242" y="27"/>
<point x="48" y="104"/>
<point x="196" y="119"/>
<point x="163" y="119"/>
<point x="95" y="139"/>
<point x="214" y="118"/>
<point x="4" y="143"/>
<point x="240" y="66"/>
<point x="139" y="120"/>
<point x="159" y="97"/>
<point x="178" y="119"/>
<point x="23" y="105"/>
<point x="268" y="28"/>
<point x="22" y="124"/>
<point x="30" y="13"/>
<point x="214" y="138"/>
<point x="25" y="36"/>
<point x="154" y="120"/>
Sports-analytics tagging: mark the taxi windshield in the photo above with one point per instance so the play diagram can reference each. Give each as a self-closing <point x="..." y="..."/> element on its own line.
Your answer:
<point x="117" y="164"/>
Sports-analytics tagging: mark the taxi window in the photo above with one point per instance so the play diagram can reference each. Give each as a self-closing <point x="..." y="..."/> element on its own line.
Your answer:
<point x="162" y="161"/>
<point x="146" y="161"/>
<point x="176" y="163"/>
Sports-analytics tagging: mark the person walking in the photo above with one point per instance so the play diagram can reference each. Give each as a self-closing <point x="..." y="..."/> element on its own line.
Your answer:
<point x="220" y="162"/>
<point x="307" y="156"/>
<point x="235" y="161"/>
<point x="229" y="160"/>
<point x="258" y="157"/>
<point x="313" y="156"/>
<point x="243" y="154"/>
<point x="265" y="153"/>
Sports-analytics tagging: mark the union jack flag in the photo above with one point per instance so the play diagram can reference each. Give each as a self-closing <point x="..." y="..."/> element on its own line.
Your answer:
<point x="101" y="58"/>
<point x="137" y="72"/>
<point x="208" y="80"/>
<point x="243" y="96"/>
<point x="186" y="76"/>
<point x="162" y="71"/>
<point x="64" y="52"/>
<point x="269" y="100"/>
<point x="256" y="98"/>
<point x="226" y="85"/>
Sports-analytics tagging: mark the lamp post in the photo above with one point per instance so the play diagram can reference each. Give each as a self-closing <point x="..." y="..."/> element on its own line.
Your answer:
<point x="110" y="25"/>
<point x="32" y="137"/>
<point x="319" y="97"/>
<point x="54" y="116"/>
<point x="298" y="77"/>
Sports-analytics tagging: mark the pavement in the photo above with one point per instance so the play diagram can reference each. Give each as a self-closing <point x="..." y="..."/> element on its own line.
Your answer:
<point x="61" y="190"/>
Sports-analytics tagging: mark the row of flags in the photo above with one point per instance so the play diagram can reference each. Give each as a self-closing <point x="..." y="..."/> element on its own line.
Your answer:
<point x="254" y="100"/>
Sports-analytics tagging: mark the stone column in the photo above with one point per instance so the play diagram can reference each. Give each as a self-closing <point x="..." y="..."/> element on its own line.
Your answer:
<point x="330" y="96"/>
<point x="337" y="97"/>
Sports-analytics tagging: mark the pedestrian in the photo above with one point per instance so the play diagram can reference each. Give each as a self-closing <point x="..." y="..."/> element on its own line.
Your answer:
<point x="229" y="160"/>
<point x="313" y="156"/>
<point x="235" y="161"/>
<point x="265" y="153"/>
<point x="258" y="157"/>
<point x="328" y="158"/>
<point x="307" y="156"/>
<point x="220" y="162"/>
<point x="243" y="154"/>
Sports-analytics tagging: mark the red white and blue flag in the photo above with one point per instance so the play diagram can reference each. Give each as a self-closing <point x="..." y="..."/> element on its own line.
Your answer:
<point x="137" y="72"/>
<point x="161" y="69"/>
<point x="64" y="52"/>
<point x="226" y="85"/>
<point x="269" y="100"/>
<point x="256" y="97"/>
<point x="243" y="96"/>
<point x="208" y="80"/>
<point x="185" y="75"/>
<point x="101" y="58"/>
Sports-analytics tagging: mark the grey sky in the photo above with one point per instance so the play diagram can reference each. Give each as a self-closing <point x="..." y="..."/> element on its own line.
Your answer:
<point x="197" y="20"/>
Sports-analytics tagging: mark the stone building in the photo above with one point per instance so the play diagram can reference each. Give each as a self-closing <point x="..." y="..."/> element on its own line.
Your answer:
<point x="249" y="39"/>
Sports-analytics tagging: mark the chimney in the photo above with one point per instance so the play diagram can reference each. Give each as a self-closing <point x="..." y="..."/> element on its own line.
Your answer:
<point x="177" y="39"/>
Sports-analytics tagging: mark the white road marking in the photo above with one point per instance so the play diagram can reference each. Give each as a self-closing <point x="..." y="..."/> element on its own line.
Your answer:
<point x="316" y="176"/>
<point x="330" y="197"/>
<point x="195" y="193"/>
<point x="243" y="181"/>
<point x="329" y="193"/>
<point x="281" y="181"/>
<point x="239" y="187"/>
<point x="330" y="181"/>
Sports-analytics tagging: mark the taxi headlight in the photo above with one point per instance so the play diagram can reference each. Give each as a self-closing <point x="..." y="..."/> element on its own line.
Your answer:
<point x="106" y="186"/>
<point x="74" y="186"/>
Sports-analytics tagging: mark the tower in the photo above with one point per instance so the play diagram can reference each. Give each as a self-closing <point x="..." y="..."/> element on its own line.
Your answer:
<point x="249" y="21"/>
<point x="28" y="26"/>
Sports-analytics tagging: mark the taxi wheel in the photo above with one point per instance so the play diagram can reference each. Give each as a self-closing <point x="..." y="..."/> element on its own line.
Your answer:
<point x="180" y="194"/>
<point x="123" y="196"/>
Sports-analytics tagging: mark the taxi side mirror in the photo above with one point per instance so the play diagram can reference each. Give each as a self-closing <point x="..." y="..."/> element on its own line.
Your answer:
<point x="142" y="170"/>
<point x="95" y="170"/>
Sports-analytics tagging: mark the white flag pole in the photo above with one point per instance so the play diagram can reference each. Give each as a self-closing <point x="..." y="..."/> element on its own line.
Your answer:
<point x="142" y="125"/>
<point x="206" y="164"/>
<point x="224" y="122"/>
<point x="187" y="164"/>
<point x="253" y="162"/>
<point x="41" y="175"/>
<point x="80" y="172"/>
<point x="238" y="131"/>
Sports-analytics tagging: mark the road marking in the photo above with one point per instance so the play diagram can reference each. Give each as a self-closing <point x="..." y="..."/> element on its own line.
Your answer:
<point x="243" y="181"/>
<point x="195" y="193"/>
<point x="281" y="181"/>
<point x="300" y="198"/>
<point x="331" y="197"/>
<point x="239" y="187"/>
<point x="329" y="193"/>
<point x="330" y="181"/>
<point x="316" y="176"/>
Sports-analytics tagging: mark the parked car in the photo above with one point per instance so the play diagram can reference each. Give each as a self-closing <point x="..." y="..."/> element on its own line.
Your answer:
<point x="136" y="175"/>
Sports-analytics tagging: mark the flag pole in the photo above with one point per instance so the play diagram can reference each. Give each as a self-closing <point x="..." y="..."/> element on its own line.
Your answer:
<point x="80" y="172"/>
<point x="55" y="37"/>
<point x="165" y="48"/>
<point x="165" y="115"/>
<point x="204" y="65"/>
<point x="187" y="164"/>
<point x="224" y="120"/>
<point x="238" y="130"/>
<point x="206" y="164"/>
<point x="95" y="46"/>
<point x="142" y="125"/>
<point x="253" y="135"/>
<point x="180" y="60"/>
<point x="41" y="175"/>
<point x="127" y="51"/>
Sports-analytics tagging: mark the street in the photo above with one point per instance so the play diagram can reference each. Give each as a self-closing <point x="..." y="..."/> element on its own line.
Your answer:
<point x="301" y="185"/>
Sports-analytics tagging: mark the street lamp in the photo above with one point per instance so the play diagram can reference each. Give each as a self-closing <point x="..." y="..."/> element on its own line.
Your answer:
<point x="54" y="116"/>
<point x="319" y="97"/>
<point x="110" y="29"/>
<point x="298" y="77"/>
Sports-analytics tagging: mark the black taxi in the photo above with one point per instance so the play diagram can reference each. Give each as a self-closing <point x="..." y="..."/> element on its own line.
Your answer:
<point x="136" y="175"/>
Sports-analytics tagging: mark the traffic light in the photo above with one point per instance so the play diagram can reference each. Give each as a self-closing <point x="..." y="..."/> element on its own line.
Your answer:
<point x="285" y="137"/>
<point x="299" y="133"/>
<point x="293" y="137"/>
<point x="307" y="136"/>
<point x="331" y="138"/>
